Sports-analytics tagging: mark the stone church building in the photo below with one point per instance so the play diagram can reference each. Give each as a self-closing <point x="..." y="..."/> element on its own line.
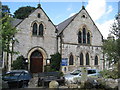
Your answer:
<point x="77" y="39"/>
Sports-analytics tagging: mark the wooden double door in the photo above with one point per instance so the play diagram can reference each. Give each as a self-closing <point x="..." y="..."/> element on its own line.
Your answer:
<point x="36" y="62"/>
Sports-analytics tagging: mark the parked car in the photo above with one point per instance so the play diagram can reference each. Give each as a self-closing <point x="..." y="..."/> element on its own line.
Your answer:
<point x="72" y="76"/>
<point x="17" y="78"/>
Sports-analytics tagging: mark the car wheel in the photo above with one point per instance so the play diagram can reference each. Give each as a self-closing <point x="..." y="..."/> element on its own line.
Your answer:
<point x="24" y="84"/>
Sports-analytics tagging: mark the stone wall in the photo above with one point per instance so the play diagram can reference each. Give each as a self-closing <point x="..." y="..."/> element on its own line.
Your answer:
<point x="27" y="43"/>
<point x="70" y="42"/>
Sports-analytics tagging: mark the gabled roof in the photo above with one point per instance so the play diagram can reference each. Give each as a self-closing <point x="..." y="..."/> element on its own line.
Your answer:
<point x="15" y="22"/>
<point x="65" y="23"/>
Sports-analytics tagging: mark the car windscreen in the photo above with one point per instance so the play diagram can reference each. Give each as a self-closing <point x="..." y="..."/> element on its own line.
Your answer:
<point x="13" y="74"/>
<point x="76" y="72"/>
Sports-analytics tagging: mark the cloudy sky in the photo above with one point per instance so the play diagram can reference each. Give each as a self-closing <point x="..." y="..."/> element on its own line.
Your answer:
<point x="102" y="12"/>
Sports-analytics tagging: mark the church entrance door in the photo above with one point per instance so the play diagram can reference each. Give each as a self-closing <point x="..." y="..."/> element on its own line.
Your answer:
<point x="36" y="62"/>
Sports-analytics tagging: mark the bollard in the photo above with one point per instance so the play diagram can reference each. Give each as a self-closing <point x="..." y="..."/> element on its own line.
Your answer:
<point x="53" y="84"/>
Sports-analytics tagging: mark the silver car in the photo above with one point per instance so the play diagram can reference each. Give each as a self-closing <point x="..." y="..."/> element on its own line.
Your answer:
<point x="75" y="75"/>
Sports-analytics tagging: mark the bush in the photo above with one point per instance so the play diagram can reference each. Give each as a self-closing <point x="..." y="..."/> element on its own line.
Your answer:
<point x="110" y="74"/>
<point x="55" y="62"/>
<point x="18" y="63"/>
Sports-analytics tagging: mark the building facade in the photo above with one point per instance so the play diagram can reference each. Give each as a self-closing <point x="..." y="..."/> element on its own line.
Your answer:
<point x="77" y="39"/>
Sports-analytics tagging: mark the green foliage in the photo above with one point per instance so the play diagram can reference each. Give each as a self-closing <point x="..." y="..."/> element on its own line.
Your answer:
<point x="110" y="73"/>
<point x="18" y="63"/>
<point x="55" y="62"/>
<point x="23" y="12"/>
<point x="47" y="68"/>
<point x="5" y="10"/>
<point x="7" y="33"/>
<point x="110" y="49"/>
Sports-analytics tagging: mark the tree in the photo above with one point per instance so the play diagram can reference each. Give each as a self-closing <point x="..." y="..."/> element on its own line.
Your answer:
<point x="110" y="50"/>
<point x="7" y="34"/>
<point x="55" y="62"/>
<point x="18" y="63"/>
<point x="23" y="12"/>
<point x="111" y="47"/>
<point x="5" y="10"/>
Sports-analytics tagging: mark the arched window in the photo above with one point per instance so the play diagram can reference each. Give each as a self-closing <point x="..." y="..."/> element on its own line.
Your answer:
<point x="88" y="38"/>
<point x="71" y="60"/>
<point x="84" y="35"/>
<point x="81" y="59"/>
<point x="41" y="27"/>
<point x="35" y="29"/>
<point x="79" y="37"/>
<point x="87" y="59"/>
<point x="96" y="60"/>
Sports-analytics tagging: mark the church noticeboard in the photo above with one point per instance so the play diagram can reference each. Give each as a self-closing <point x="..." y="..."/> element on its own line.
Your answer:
<point x="64" y="62"/>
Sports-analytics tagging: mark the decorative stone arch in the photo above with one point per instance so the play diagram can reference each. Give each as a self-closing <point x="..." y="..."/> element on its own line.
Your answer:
<point x="71" y="55"/>
<point x="44" y="27"/>
<point x="34" y="22"/>
<point x="87" y="30"/>
<point x="38" y="23"/>
<point x="31" y="28"/>
<point x="42" y="23"/>
<point x="42" y="51"/>
<point x="87" y="58"/>
<point x="83" y="57"/>
<point x="96" y="55"/>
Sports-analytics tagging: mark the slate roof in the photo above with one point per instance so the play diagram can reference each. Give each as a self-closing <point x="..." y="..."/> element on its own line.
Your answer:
<point x="15" y="22"/>
<point x="65" y="23"/>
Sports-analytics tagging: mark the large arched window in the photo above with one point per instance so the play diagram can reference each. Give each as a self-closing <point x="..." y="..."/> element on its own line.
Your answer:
<point x="88" y="38"/>
<point x="71" y="58"/>
<point x="81" y="59"/>
<point x="84" y="35"/>
<point x="96" y="60"/>
<point x="87" y="59"/>
<point x="41" y="29"/>
<point x="79" y="37"/>
<point x="35" y="29"/>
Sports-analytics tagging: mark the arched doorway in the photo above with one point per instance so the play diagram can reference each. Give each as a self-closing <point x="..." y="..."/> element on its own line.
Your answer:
<point x="36" y="62"/>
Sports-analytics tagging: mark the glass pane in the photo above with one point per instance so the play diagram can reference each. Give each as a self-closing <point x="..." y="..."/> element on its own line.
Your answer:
<point x="84" y="35"/>
<point x="35" y="29"/>
<point x="41" y="30"/>
<point x="88" y="38"/>
<point x="79" y="37"/>
<point x="87" y="59"/>
<point x="36" y="54"/>
<point x="71" y="60"/>
<point x="81" y="59"/>
<point x="91" y="71"/>
<point x="96" y="60"/>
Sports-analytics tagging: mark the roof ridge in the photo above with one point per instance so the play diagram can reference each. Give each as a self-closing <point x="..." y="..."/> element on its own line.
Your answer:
<point x="68" y="18"/>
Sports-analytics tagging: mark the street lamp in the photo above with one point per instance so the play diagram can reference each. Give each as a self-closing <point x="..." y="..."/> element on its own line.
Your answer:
<point x="47" y="61"/>
<point x="25" y="61"/>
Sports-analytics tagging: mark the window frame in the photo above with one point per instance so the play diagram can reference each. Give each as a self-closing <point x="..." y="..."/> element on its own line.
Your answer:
<point x="34" y="29"/>
<point x="87" y="59"/>
<point x="71" y="59"/>
<point x="81" y="59"/>
<point x="96" y="60"/>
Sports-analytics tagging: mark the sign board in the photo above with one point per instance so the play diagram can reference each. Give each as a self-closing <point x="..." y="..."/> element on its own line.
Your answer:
<point x="64" y="62"/>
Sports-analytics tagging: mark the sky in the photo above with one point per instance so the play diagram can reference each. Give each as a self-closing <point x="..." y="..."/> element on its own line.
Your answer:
<point x="102" y="12"/>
